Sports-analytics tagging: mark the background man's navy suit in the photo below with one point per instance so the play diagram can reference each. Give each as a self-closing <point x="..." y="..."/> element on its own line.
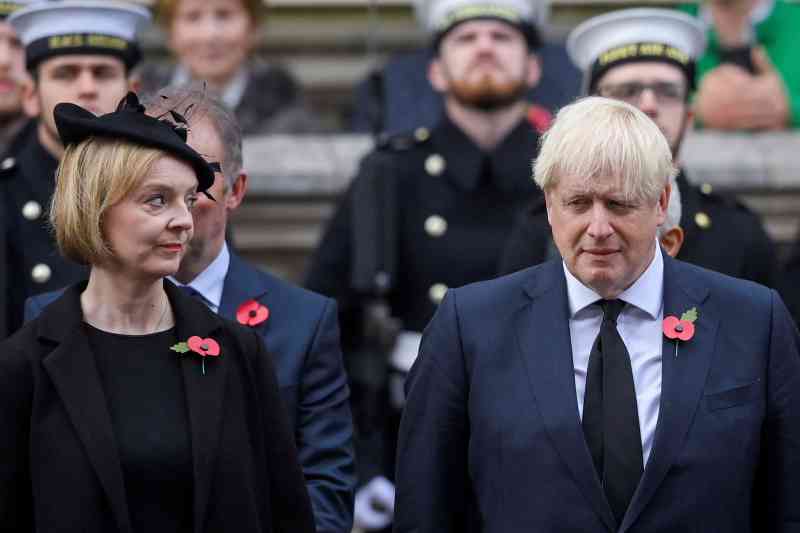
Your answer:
<point x="491" y="439"/>
<point x="302" y="334"/>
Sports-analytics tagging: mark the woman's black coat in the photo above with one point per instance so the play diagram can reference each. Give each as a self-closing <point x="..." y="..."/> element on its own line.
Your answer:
<point x="59" y="466"/>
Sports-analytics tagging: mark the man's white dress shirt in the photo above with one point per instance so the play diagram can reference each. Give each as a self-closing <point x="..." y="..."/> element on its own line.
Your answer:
<point x="639" y="325"/>
<point x="211" y="281"/>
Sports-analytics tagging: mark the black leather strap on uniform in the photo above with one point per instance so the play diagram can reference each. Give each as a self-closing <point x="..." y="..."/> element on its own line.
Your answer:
<point x="375" y="102"/>
<point x="374" y="227"/>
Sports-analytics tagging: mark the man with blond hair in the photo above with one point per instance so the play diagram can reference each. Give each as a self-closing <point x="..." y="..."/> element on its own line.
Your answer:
<point x="647" y="57"/>
<point x="614" y="389"/>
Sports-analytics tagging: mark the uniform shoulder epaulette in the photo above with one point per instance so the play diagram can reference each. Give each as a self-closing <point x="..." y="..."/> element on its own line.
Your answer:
<point x="401" y="142"/>
<point x="724" y="200"/>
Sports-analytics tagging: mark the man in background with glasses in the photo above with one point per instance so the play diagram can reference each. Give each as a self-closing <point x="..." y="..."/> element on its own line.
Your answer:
<point x="646" y="57"/>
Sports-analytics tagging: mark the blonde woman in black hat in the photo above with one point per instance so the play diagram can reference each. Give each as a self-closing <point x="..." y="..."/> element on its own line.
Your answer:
<point x="128" y="405"/>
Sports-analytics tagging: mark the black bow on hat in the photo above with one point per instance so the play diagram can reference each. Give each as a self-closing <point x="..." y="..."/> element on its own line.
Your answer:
<point x="130" y="122"/>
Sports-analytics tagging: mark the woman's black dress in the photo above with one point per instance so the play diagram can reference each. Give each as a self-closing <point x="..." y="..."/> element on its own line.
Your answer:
<point x="143" y="386"/>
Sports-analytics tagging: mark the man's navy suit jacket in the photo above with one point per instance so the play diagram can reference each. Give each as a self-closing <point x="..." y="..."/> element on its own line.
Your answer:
<point x="302" y="334"/>
<point x="491" y="438"/>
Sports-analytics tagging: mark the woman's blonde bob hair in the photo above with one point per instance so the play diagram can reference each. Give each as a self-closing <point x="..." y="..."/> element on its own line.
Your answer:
<point x="93" y="176"/>
<point x="600" y="138"/>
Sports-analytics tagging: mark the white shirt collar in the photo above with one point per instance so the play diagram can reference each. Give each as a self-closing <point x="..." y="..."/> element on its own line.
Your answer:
<point x="211" y="281"/>
<point x="646" y="293"/>
<point x="230" y="95"/>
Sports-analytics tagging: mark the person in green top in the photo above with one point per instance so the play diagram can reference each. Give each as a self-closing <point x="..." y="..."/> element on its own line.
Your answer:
<point x="749" y="77"/>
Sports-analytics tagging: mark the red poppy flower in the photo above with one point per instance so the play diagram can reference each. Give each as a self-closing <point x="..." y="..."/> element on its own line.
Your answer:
<point x="205" y="347"/>
<point x="675" y="328"/>
<point x="252" y="313"/>
<point x="540" y="118"/>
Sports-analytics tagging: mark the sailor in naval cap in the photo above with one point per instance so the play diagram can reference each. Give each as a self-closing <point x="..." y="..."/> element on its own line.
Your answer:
<point x="75" y="51"/>
<point x="647" y="58"/>
<point x="445" y="192"/>
<point x="12" y="75"/>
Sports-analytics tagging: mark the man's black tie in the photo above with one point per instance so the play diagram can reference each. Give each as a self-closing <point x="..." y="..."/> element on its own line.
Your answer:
<point x="610" y="416"/>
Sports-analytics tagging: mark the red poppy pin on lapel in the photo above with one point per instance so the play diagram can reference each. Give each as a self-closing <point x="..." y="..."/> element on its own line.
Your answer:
<point x="252" y="313"/>
<point x="680" y="329"/>
<point x="203" y="347"/>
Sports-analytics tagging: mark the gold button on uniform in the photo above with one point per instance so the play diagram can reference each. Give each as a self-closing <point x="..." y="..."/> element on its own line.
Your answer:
<point x="31" y="210"/>
<point x="435" y="226"/>
<point x="422" y="134"/>
<point x="7" y="163"/>
<point x="702" y="220"/>
<point x="436" y="292"/>
<point x="434" y="165"/>
<point x="41" y="273"/>
<point x="706" y="188"/>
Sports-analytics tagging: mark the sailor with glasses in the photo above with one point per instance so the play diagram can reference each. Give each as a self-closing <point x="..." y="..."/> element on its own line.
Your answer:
<point x="646" y="57"/>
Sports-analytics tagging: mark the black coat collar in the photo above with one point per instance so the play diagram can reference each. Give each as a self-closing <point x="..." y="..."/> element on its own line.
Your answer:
<point x="507" y="167"/>
<point x="63" y="317"/>
<point x="71" y="366"/>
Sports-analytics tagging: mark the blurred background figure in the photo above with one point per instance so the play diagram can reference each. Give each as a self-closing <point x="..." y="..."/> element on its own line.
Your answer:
<point x="78" y="52"/>
<point x="429" y="210"/>
<point x="214" y="41"/>
<point x="749" y="77"/>
<point x="399" y="97"/>
<point x="646" y="57"/>
<point x="12" y="75"/>
<point x="12" y="119"/>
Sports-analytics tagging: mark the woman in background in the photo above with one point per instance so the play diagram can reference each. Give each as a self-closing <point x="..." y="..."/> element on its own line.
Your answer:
<point x="213" y="41"/>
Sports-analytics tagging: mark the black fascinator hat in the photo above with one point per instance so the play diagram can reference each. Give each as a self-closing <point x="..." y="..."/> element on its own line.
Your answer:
<point x="131" y="123"/>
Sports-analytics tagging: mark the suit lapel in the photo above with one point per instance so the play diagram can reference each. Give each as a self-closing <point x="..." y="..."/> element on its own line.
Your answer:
<point x="71" y="367"/>
<point x="683" y="378"/>
<point x="542" y="327"/>
<point x="204" y="393"/>
<point x="242" y="283"/>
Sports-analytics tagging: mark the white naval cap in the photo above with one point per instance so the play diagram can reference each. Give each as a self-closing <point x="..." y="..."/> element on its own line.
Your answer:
<point x="438" y="17"/>
<point x="7" y="7"/>
<point x="640" y="34"/>
<point x="106" y="27"/>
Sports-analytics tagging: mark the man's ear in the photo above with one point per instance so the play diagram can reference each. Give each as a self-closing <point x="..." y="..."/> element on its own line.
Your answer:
<point x="30" y="98"/>
<point x="234" y="198"/>
<point x="534" y="70"/>
<point x="672" y="241"/>
<point x="436" y="75"/>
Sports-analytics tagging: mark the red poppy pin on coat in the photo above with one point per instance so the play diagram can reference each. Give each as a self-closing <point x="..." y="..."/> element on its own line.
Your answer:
<point x="680" y="329"/>
<point x="203" y="347"/>
<point x="252" y="313"/>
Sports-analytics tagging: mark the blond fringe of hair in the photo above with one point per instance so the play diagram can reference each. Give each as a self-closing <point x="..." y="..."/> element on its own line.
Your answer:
<point x="92" y="177"/>
<point x="599" y="138"/>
